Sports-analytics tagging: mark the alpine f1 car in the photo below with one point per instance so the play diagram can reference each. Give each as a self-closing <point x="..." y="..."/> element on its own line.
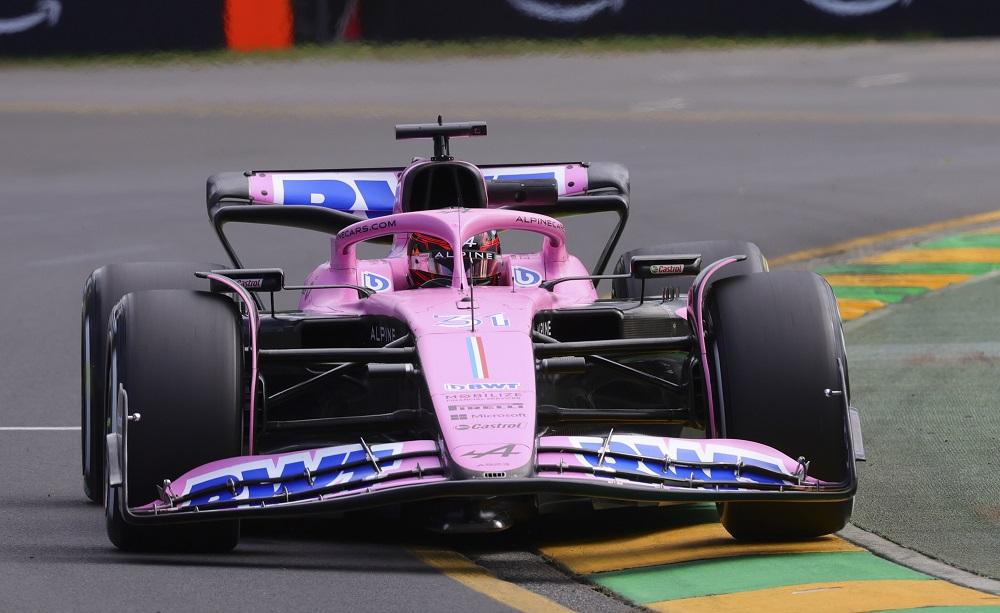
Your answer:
<point x="455" y="382"/>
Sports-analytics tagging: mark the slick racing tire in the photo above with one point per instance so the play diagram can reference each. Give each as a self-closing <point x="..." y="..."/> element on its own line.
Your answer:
<point x="176" y="358"/>
<point x="710" y="251"/>
<point x="103" y="289"/>
<point x="777" y="338"/>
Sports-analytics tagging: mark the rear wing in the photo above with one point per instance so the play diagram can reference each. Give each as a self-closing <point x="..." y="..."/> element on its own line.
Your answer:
<point x="330" y="200"/>
<point x="370" y="192"/>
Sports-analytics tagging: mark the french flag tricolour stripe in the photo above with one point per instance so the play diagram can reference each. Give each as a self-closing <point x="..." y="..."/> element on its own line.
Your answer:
<point x="477" y="357"/>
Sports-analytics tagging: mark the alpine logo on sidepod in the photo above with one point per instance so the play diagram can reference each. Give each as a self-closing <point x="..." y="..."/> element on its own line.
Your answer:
<point x="525" y="277"/>
<point x="374" y="282"/>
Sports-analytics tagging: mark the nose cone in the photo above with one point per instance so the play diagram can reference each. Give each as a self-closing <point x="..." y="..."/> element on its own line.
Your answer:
<point x="484" y="397"/>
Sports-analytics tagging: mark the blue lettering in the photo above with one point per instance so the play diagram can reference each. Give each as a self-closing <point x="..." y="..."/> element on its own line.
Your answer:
<point x="685" y="472"/>
<point x="377" y="195"/>
<point x="258" y="490"/>
<point x="221" y="495"/>
<point x="329" y="193"/>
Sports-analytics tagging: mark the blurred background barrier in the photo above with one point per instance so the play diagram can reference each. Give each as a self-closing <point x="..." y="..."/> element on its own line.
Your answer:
<point x="52" y="27"/>
<point x="64" y="27"/>
<point x="390" y="20"/>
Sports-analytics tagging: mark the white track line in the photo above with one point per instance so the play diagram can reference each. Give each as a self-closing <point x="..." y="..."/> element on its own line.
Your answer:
<point x="39" y="428"/>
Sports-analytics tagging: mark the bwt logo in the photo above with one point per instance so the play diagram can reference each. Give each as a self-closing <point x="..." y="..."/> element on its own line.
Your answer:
<point x="290" y="473"/>
<point x="656" y="467"/>
<point x="376" y="196"/>
<point x="525" y="277"/>
<point x="461" y="387"/>
<point x="375" y="282"/>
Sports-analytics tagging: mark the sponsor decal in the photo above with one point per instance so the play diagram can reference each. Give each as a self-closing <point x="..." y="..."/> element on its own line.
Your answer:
<point x="477" y="357"/>
<point x="291" y="470"/>
<point x="493" y="426"/>
<point x="504" y="451"/>
<point x="482" y="396"/>
<point x="539" y="221"/>
<point x="468" y="255"/>
<point x="46" y="12"/>
<point x="359" y="195"/>
<point x="503" y="411"/>
<point x="566" y="12"/>
<point x="461" y="387"/>
<point x="544" y="327"/>
<point x="525" y="277"/>
<point x="666" y="269"/>
<point x="646" y="446"/>
<point x="486" y="407"/>
<point x="366" y="228"/>
<point x="382" y="334"/>
<point x="585" y="10"/>
<point x="250" y="283"/>
<point x="375" y="282"/>
<point x="855" y="8"/>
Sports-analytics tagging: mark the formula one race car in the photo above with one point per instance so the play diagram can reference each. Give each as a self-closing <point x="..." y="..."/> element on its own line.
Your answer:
<point x="454" y="382"/>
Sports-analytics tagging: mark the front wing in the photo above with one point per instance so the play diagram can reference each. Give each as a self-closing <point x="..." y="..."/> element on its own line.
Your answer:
<point x="356" y="476"/>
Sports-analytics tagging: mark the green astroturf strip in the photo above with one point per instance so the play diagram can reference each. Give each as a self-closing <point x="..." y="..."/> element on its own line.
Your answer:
<point x="728" y="575"/>
<point x="911" y="268"/>
<point x="885" y="294"/>
<point x="984" y="608"/>
<point x="964" y="240"/>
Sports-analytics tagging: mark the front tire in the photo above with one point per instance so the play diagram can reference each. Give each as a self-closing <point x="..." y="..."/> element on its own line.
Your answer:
<point x="102" y="291"/>
<point x="777" y="339"/>
<point x="179" y="357"/>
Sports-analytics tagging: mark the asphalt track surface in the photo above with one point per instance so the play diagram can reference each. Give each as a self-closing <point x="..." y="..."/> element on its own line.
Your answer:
<point x="792" y="148"/>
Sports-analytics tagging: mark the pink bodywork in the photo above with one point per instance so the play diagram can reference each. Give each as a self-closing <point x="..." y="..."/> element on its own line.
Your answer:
<point x="492" y="366"/>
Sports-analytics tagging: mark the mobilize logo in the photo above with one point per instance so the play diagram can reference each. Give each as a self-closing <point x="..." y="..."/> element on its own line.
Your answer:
<point x="461" y="387"/>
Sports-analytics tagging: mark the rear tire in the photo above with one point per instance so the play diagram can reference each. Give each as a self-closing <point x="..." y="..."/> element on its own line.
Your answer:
<point x="179" y="356"/>
<point x="103" y="289"/>
<point x="777" y="338"/>
<point x="710" y="251"/>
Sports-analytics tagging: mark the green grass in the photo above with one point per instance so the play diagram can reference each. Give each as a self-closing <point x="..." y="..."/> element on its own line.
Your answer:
<point x="427" y="50"/>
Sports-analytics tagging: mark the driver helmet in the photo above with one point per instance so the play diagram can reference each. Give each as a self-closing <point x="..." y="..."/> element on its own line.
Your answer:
<point x="431" y="260"/>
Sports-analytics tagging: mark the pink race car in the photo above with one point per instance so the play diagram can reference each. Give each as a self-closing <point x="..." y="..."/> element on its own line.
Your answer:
<point x="461" y="384"/>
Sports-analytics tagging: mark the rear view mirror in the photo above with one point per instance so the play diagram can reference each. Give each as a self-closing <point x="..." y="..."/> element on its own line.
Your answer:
<point x="654" y="266"/>
<point x="252" y="279"/>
